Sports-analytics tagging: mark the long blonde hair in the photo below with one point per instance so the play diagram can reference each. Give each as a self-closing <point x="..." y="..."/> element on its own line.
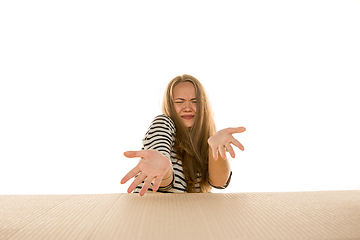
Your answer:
<point x="191" y="146"/>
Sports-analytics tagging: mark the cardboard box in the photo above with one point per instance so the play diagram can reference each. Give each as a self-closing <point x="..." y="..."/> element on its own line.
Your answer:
<point x="281" y="215"/>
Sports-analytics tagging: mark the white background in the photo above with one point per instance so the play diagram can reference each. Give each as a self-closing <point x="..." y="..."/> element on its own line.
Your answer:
<point x="82" y="80"/>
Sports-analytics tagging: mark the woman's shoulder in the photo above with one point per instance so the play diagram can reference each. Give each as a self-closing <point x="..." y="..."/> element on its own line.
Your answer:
<point x="164" y="120"/>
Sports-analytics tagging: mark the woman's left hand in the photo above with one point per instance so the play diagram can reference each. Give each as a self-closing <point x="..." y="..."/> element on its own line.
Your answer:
<point x="222" y="141"/>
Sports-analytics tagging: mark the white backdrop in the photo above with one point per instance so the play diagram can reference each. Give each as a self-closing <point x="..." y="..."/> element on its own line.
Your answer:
<point x="82" y="80"/>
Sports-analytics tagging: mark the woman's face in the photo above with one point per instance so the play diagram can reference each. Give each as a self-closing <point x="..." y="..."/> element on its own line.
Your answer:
<point x="185" y="102"/>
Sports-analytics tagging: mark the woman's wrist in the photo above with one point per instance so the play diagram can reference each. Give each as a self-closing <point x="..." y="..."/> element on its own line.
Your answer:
<point x="168" y="174"/>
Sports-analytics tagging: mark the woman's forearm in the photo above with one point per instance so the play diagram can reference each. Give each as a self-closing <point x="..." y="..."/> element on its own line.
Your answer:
<point x="167" y="179"/>
<point x="219" y="170"/>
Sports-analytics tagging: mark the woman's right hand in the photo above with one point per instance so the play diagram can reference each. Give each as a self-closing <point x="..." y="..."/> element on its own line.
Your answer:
<point x="152" y="167"/>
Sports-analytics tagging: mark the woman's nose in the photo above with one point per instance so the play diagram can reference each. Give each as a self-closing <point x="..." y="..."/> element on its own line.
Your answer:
<point x="187" y="105"/>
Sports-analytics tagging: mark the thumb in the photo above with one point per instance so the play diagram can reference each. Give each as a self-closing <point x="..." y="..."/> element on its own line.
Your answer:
<point x="237" y="130"/>
<point x="241" y="129"/>
<point x="133" y="154"/>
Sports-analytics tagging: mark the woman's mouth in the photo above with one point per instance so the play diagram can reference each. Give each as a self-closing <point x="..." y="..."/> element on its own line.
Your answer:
<point x="187" y="117"/>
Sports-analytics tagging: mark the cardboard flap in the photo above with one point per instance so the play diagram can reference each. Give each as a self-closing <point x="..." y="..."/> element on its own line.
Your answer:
<point x="287" y="215"/>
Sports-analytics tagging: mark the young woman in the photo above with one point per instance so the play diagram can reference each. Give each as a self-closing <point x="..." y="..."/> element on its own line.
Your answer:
<point x="182" y="151"/>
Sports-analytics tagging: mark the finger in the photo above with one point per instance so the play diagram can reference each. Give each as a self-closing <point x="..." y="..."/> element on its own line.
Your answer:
<point x="157" y="184"/>
<point x="241" y="129"/>
<point x="215" y="153"/>
<point x="133" y="154"/>
<point x="139" y="179"/>
<point x="130" y="175"/>
<point x="145" y="186"/>
<point x="236" y="130"/>
<point x="230" y="150"/>
<point x="238" y="144"/>
<point x="222" y="152"/>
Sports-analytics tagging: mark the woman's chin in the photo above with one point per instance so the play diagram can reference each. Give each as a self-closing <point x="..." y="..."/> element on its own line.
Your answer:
<point x="188" y="125"/>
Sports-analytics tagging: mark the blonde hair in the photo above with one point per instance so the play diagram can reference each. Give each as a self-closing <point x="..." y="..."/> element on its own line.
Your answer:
<point x="191" y="145"/>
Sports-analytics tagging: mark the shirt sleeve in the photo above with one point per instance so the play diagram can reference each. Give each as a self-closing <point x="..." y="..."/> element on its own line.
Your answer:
<point x="226" y="184"/>
<point x="161" y="136"/>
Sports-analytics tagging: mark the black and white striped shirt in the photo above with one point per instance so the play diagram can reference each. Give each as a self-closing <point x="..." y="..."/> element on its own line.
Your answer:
<point x="161" y="136"/>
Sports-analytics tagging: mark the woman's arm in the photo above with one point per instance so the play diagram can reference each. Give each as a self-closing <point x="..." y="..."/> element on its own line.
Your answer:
<point x="168" y="178"/>
<point x="160" y="137"/>
<point x="219" y="169"/>
<point x="155" y="165"/>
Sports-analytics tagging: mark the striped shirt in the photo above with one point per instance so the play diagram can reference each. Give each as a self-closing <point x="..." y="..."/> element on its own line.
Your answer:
<point x="161" y="136"/>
